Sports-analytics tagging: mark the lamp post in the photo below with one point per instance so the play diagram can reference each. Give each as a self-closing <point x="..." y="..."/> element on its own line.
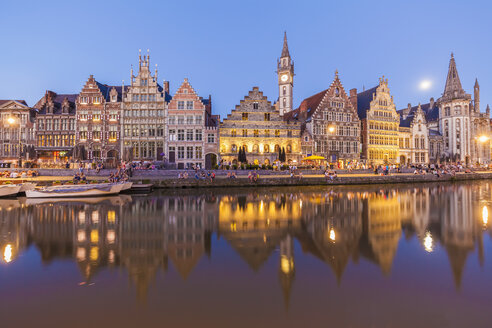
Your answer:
<point x="11" y="120"/>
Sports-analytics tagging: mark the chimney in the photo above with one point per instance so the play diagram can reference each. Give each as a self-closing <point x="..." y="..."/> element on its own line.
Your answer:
<point x="353" y="97"/>
<point x="166" y="86"/>
<point x="432" y="103"/>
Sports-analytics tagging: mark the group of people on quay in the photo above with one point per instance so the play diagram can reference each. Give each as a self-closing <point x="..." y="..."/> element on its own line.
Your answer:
<point x="19" y="174"/>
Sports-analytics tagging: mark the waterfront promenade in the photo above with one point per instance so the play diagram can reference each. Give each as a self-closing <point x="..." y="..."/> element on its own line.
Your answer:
<point x="168" y="179"/>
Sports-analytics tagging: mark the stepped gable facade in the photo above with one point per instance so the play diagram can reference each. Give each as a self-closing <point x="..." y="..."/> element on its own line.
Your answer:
<point x="330" y="125"/>
<point x="192" y="130"/>
<point x="257" y="127"/>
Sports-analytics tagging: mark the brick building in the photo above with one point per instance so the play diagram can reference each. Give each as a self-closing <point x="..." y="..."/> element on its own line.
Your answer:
<point x="192" y="129"/>
<point x="98" y="121"/>
<point x="55" y="127"/>
<point x="330" y="125"/>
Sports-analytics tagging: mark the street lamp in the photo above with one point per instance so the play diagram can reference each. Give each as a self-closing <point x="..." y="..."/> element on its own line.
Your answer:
<point x="331" y="129"/>
<point x="11" y="121"/>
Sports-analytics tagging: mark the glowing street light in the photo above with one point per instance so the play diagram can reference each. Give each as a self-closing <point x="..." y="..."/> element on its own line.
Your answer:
<point x="11" y="120"/>
<point x="331" y="129"/>
<point x="483" y="139"/>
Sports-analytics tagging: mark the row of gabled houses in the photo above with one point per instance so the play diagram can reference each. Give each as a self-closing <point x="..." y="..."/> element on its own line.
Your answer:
<point x="109" y="123"/>
<point x="358" y="127"/>
<point x="142" y="121"/>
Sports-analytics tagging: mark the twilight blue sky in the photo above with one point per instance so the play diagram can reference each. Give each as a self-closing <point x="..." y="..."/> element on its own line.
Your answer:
<point x="227" y="47"/>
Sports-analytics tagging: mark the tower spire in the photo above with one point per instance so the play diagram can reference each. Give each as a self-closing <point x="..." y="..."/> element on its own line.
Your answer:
<point x="285" y="48"/>
<point x="476" y="96"/>
<point x="453" y="88"/>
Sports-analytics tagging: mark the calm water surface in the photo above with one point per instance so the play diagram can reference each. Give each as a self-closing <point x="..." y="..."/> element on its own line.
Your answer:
<point x="380" y="256"/>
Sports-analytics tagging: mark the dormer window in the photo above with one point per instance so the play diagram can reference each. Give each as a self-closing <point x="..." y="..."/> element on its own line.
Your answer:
<point x="337" y="92"/>
<point x="113" y="98"/>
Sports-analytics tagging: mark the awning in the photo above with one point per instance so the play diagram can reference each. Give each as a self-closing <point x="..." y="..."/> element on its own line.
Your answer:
<point x="313" y="158"/>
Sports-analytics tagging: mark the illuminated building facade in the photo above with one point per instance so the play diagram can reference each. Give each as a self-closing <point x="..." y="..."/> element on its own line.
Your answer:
<point x="330" y="125"/>
<point x="98" y="122"/>
<point x="256" y="126"/>
<point x="413" y="136"/>
<point x="55" y="127"/>
<point x="144" y="115"/>
<point x="16" y="129"/>
<point x="380" y="124"/>
<point x="192" y="130"/>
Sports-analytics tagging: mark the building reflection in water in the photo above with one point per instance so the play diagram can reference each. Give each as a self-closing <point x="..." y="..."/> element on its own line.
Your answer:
<point x="336" y="226"/>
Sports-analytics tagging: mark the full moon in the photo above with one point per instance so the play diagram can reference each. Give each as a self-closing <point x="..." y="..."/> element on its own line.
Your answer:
<point x="425" y="84"/>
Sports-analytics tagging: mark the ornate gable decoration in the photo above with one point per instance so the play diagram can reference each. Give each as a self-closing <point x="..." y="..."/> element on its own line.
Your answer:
<point x="382" y="96"/>
<point x="13" y="104"/>
<point x="91" y="88"/>
<point x="186" y="92"/>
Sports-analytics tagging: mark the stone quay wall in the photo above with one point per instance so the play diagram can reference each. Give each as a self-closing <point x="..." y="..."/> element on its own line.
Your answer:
<point x="266" y="181"/>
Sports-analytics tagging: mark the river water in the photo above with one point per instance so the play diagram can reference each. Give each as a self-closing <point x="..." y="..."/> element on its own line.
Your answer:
<point x="375" y="256"/>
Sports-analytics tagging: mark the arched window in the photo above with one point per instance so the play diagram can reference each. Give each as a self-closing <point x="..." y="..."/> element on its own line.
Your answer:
<point x="284" y="90"/>
<point x="416" y="143"/>
<point x="233" y="148"/>
<point x="266" y="148"/>
<point x="289" y="149"/>
<point x="255" y="148"/>
<point x="277" y="148"/>
<point x="285" y="102"/>
<point x="337" y="92"/>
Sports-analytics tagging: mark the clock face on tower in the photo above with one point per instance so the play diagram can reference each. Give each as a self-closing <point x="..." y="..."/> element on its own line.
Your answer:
<point x="284" y="78"/>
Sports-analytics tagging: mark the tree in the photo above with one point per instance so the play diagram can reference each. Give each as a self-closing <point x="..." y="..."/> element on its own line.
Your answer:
<point x="240" y="155"/>
<point x="283" y="159"/>
<point x="245" y="160"/>
<point x="280" y="154"/>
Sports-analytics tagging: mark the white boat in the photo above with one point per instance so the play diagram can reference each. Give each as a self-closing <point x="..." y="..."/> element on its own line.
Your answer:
<point x="86" y="190"/>
<point x="27" y="186"/>
<point x="127" y="185"/>
<point x="9" y="190"/>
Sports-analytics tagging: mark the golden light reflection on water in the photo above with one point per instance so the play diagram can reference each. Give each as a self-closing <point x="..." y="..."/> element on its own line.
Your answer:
<point x="336" y="226"/>
<point x="428" y="244"/>
<point x="485" y="215"/>
<point x="7" y="254"/>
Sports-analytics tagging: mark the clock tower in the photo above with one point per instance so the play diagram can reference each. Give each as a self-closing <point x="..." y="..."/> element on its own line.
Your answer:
<point x="285" y="71"/>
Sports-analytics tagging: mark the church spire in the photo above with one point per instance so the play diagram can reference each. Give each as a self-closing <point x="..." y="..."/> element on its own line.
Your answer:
<point x="453" y="88"/>
<point x="285" y="48"/>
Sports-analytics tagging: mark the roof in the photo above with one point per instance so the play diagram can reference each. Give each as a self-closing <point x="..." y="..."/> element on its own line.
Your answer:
<point x="434" y="132"/>
<point x="431" y="113"/>
<point x="306" y="109"/>
<point x="406" y="122"/>
<point x="57" y="100"/>
<point x="364" y="99"/>
<point x="285" y="48"/>
<point x="106" y="90"/>
<point x="8" y="100"/>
